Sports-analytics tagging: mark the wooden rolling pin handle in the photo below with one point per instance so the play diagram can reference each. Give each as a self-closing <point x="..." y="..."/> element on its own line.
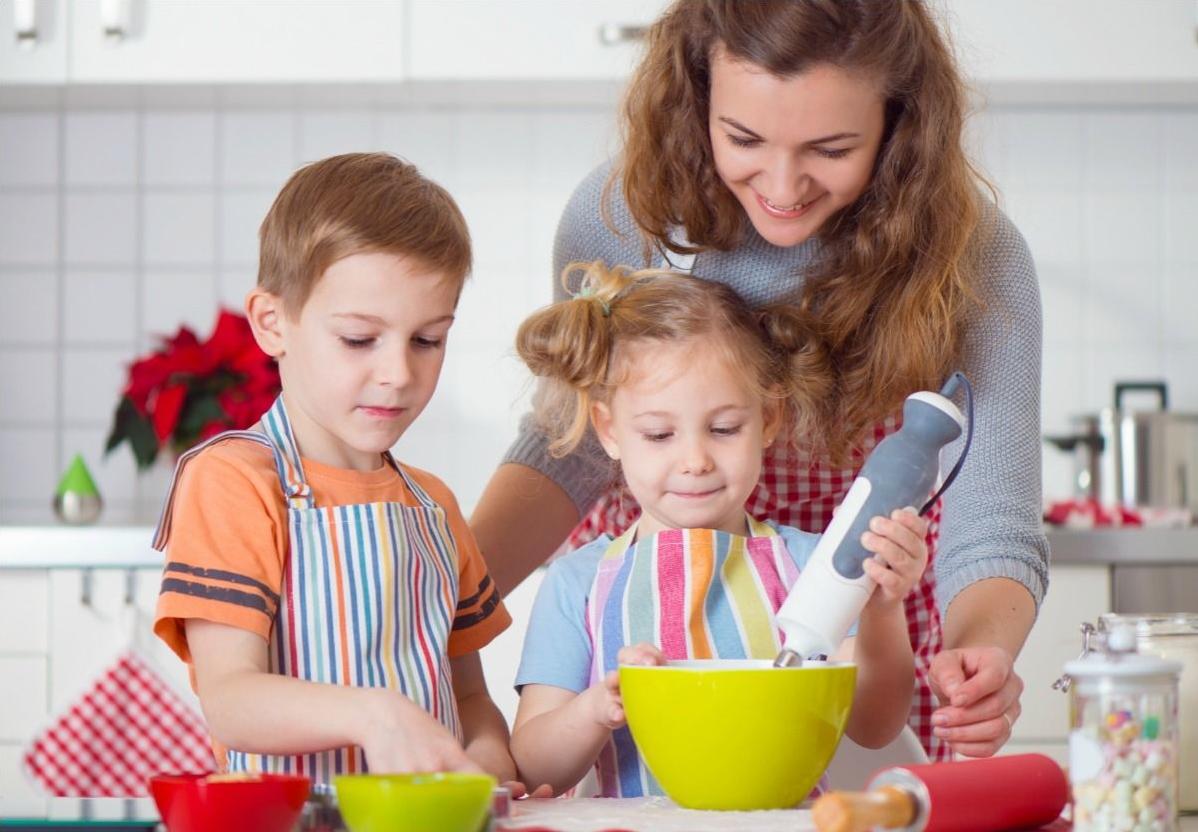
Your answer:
<point x="888" y="807"/>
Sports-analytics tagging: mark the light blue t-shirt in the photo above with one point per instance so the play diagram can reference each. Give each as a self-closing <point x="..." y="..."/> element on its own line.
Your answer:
<point x="557" y="648"/>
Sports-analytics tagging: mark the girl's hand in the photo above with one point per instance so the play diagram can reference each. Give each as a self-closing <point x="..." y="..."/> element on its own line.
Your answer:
<point x="900" y="555"/>
<point x="608" y="707"/>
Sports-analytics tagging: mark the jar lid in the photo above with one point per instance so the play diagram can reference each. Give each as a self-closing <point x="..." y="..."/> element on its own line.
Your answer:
<point x="1121" y="659"/>
<point x="1125" y="665"/>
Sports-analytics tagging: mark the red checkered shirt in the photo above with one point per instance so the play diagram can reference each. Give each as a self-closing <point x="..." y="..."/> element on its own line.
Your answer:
<point x="797" y="489"/>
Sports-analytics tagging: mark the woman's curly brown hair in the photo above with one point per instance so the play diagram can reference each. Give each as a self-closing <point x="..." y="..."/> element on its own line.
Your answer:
<point x="893" y="284"/>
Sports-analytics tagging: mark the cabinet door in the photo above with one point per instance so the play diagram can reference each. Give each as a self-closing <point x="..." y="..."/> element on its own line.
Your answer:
<point x="1076" y="594"/>
<point x="238" y="40"/>
<point x="526" y="39"/>
<point x="33" y="51"/>
<point x="1071" y="41"/>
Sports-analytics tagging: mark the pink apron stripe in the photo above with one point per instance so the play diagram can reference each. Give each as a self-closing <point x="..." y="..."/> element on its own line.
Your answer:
<point x="672" y="593"/>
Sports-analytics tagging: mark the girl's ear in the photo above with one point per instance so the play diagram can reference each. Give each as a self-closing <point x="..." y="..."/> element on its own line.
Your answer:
<point x="602" y="420"/>
<point x="265" y="313"/>
<point x="771" y="417"/>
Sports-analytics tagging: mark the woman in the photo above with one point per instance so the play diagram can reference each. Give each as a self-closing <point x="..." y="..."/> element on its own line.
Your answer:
<point x="810" y="151"/>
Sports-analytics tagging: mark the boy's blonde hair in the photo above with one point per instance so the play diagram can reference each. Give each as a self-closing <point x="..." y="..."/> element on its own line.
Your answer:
<point x="583" y="348"/>
<point x="353" y="204"/>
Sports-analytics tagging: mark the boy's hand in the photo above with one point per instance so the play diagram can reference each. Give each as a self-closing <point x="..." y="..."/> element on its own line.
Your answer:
<point x="900" y="555"/>
<point x="401" y="737"/>
<point x="608" y="707"/>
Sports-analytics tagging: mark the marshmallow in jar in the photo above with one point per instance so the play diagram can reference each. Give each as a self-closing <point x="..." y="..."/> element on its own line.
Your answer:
<point x="1123" y="739"/>
<point x="1173" y="636"/>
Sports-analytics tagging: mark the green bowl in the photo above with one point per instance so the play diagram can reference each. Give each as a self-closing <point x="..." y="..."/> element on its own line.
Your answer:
<point x="436" y="802"/>
<point x="737" y="734"/>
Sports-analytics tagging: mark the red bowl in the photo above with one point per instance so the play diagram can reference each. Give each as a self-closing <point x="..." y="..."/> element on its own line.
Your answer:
<point x="211" y="803"/>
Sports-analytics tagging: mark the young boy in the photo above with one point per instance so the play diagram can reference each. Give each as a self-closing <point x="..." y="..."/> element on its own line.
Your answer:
<point x="329" y="601"/>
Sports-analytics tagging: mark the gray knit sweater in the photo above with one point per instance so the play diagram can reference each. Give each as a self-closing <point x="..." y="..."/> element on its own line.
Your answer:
<point x="991" y="519"/>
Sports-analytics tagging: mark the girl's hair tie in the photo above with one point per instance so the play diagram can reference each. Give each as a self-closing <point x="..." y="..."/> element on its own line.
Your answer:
<point x="587" y="292"/>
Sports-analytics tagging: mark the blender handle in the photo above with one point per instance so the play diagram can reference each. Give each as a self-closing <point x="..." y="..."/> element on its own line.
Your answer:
<point x="1157" y="387"/>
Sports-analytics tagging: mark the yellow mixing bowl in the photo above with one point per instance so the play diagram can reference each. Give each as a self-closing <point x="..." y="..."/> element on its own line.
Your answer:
<point x="725" y="734"/>
<point x="414" y="802"/>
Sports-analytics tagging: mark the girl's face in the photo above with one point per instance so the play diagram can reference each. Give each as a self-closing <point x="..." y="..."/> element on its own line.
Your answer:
<point x="796" y="150"/>
<point x="689" y="435"/>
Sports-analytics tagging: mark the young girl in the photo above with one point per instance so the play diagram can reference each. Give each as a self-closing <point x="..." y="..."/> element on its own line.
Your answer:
<point x="685" y="386"/>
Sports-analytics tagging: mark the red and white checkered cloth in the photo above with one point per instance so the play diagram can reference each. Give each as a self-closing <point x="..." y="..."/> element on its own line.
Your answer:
<point x="797" y="489"/>
<point x="128" y="726"/>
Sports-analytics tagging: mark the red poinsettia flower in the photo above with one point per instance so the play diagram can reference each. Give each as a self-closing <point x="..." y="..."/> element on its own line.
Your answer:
<point x="188" y="391"/>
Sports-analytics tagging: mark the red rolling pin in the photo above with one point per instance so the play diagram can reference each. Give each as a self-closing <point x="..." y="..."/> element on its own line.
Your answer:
<point x="1000" y="793"/>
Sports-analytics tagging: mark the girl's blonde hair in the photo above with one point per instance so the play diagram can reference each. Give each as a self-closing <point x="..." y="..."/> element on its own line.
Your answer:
<point x="886" y="300"/>
<point x="582" y="348"/>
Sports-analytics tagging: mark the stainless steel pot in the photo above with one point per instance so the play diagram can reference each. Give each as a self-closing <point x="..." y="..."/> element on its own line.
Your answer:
<point x="1135" y="457"/>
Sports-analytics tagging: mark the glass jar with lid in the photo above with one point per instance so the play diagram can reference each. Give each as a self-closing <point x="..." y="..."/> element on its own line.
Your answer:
<point x="1123" y="739"/>
<point x="1172" y="636"/>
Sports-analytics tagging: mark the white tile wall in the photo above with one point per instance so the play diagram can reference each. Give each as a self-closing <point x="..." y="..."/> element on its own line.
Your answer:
<point x="121" y="223"/>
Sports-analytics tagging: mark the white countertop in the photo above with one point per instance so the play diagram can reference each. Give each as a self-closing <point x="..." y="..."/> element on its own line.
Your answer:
<point x="116" y="547"/>
<point x="657" y="814"/>
<point x="75" y="547"/>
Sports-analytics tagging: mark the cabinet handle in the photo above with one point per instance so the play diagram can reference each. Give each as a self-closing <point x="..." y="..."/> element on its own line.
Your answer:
<point x="114" y="19"/>
<point x="613" y="34"/>
<point x="24" y="13"/>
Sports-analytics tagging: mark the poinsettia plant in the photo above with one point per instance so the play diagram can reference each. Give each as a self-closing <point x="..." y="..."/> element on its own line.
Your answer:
<point x="189" y="390"/>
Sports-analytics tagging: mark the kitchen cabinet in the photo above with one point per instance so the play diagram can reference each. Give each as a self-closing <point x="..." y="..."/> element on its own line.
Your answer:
<point x="526" y="39"/>
<point x="251" y="41"/>
<point x="1070" y="41"/>
<point x="33" y="41"/>
<point x="1077" y="593"/>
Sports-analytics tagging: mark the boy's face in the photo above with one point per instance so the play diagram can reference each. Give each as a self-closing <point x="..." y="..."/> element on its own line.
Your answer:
<point x="689" y="436"/>
<point x="363" y="358"/>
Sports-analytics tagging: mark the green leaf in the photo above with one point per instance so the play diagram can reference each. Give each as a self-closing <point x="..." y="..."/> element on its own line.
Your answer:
<point x="144" y="442"/>
<point x="128" y="424"/>
<point x="197" y="412"/>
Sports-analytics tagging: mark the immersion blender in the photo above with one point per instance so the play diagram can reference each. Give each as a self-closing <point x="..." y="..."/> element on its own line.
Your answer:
<point x="833" y="588"/>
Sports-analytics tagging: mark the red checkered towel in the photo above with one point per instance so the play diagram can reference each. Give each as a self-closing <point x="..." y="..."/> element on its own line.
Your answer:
<point x="128" y="726"/>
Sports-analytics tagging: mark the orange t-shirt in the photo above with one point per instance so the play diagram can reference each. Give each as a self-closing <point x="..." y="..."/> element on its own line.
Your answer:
<point x="229" y="541"/>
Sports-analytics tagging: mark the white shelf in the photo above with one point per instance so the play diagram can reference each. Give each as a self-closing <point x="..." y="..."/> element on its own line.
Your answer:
<point x="77" y="547"/>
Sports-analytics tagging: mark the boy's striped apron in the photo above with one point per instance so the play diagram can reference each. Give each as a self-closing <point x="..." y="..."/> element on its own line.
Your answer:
<point x="368" y="598"/>
<point x="695" y="594"/>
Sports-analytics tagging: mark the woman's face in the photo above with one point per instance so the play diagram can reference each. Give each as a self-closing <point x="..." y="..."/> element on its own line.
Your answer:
<point x="793" y="150"/>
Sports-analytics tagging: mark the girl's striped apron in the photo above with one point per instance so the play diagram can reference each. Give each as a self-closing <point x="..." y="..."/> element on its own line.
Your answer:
<point x="695" y="594"/>
<point x="368" y="598"/>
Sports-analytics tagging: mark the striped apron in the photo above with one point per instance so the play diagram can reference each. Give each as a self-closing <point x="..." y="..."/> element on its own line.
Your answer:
<point x="695" y="594"/>
<point x="368" y="597"/>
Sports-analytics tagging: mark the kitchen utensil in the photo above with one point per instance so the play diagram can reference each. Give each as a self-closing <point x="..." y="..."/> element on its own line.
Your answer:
<point x="737" y="734"/>
<point x="1123" y="736"/>
<point x="446" y="802"/>
<point x="833" y="588"/>
<point x="999" y="793"/>
<point x="218" y="803"/>
<point x="1172" y="636"/>
<point x="1135" y="457"/>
